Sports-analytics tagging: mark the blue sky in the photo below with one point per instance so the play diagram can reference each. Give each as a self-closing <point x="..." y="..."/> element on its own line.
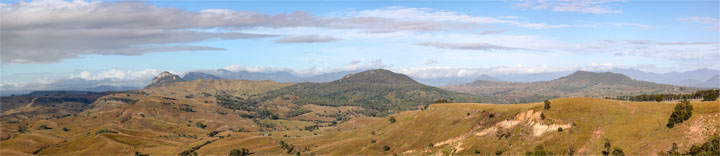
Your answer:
<point x="43" y="41"/>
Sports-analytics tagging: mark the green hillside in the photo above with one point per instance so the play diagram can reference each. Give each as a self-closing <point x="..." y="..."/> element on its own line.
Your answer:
<point x="380" y="91"/>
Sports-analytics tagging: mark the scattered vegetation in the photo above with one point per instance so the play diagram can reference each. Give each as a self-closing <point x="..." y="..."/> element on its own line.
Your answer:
<point x="706" y="95"/>
<point x="200" y="125"/>
<point x="386" y="148"/>
<point x="44" y="127"/>
<point x="539" y="151"/>
<point x="392" y="119"/>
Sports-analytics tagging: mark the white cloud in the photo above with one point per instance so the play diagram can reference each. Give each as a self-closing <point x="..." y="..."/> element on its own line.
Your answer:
<point x="306" y="39"/>
<point x="581" y="6"/>
<point x="710" y="22"/>
<point x="427" y="14"/>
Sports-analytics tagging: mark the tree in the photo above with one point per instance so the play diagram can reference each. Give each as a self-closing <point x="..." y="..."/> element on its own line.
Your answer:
<point x="542" y="116"/>
<point x="386" y="148"/>
<point x="392" y="119"/>
<point x="606" y="152"/>
<point x="560" y="129"/>
<point x="547" y="104"/>
<point x="682" y="112"/>
<point x="658" y="98"/>
<point x="240" y="152"/>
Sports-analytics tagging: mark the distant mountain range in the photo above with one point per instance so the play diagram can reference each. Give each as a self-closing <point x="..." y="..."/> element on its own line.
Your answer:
<point x="578" y="84"/>
<point x="700" y="78"/>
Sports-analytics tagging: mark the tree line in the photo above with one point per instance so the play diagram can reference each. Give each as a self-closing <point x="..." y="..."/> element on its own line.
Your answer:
<point x="705" y="95"/>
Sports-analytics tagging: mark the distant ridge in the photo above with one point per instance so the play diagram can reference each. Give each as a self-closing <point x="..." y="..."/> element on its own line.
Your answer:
<point x="198" y="75"/>
<point x="377" y="76"/>
<point x="164" y="78"/>
<point x="577" y="84"/>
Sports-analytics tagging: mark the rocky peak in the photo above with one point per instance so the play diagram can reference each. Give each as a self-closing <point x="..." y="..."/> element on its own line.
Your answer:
<point x="163" y="79"/>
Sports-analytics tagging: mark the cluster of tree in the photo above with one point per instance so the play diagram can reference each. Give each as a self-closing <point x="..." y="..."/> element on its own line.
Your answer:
<point x="124" y="100"/>
<point x="200" y="125"/>
<point x="546" y="104"/>
<point x="289" y="148"/>
<point x="710" y="147"/>
<point x="311" y="128"/>
<point x="682" y="112"/>
<point x="105" y="131"/>
<point x="240" y="152"/>
<point x="296" y="112"/>
<point x="191" y="151"/>
<point x="706" y="95"/>
<point x="228" y="101"/>
<point x="615" y="152"/>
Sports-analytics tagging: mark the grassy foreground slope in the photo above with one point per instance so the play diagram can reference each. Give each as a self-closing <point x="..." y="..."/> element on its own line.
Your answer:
<point x="154" y="125"/>
<point x="636" y="127"/>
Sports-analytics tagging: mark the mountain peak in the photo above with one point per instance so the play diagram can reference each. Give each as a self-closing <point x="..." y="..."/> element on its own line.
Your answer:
<point x="163" y="79"/>
<point x="378" y="76"/>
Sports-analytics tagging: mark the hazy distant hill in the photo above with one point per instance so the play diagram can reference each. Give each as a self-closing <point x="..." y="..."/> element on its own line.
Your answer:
<point x="713" y="82"/>
<point x="198" y="75"/>
<point x="257" y="76"/>
<point x="379" y="90"/>
<point x="578" y="84"/>
<point x="688" y="78"/>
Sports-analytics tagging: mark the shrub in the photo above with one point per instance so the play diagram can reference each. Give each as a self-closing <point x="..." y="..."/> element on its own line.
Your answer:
<point x="499" y="152"/>
<point x="65" y="129"/>
<point x="431" y="145"/>
<point x="539" y="151"/>
<point x="386" y="148"/>
<point x="392" y="119"/>
<point x="711" y="147"/>
<point x="477" y="151"/>
<point x="44" y="126"/>
<point x="22" y="129"/>
<point x="213" y="133"/>
<point x="560" y="129"/>
<point x="618" y="152"/>
<point x="547" y="104"/>
<point x="240" y="152"/>
<point x="542" y="116"/>
<point x="200" y="125"/>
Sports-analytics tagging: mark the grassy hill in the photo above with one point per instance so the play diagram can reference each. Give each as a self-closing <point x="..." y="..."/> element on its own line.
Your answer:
<point x="153" y="126"/>
<point x="379" y="91"/>
<point x="578" y="84"/>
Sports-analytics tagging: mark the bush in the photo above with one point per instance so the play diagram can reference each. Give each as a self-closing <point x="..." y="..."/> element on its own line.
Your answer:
<point x="200" y="125"/>
<point x="711" y="147"/>
<point x="539" y="151"/>
<point x="44" y="126"/>
<point x="560" y="129"/>
<point x="618" y="152"/>
<point x="386" y="148"/>
<point x="547" y="104"/>
<point x="213" y="133"/>
<point x="392" y="119"/>
<point x="296" y="112"/>
<point x="22" y="129"/>
<point x="240" y="152"/>
<point x="542" y="116"/>
<point x="682" y="112"/>
<point x="65" y="129"/>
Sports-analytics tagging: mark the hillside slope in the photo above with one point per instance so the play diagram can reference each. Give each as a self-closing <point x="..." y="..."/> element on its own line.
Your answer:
<point x="379" y="91"/>
<point x="463" y="128"/>
<point x="578" y="84"/>
<point x="154" y="125"/>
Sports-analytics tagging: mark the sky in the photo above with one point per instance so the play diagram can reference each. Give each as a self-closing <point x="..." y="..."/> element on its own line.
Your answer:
<point x="126" y="43"/>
